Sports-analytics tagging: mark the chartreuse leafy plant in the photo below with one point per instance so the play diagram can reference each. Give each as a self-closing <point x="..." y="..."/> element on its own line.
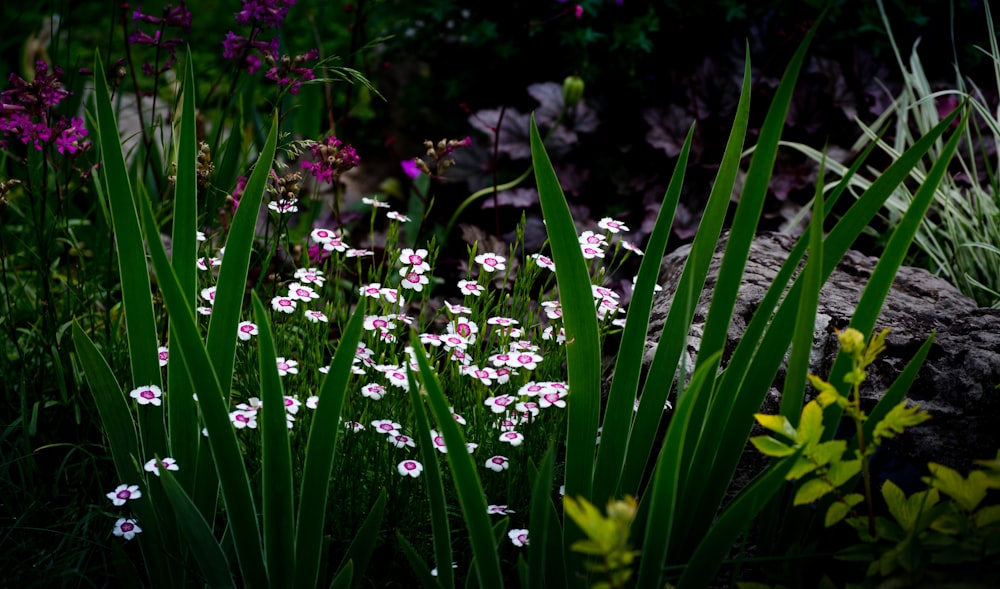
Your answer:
<point x="269" y="536"/>
<point x="680" y="529"/>
<point x="925" y="540"/>
<point x="607" y="538"/>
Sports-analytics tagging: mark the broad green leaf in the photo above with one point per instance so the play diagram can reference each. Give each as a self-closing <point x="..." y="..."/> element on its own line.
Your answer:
<point x="345" y="577"/>
<point x="204" y="547"/>
<point x="416" y="563"/>
<point x="810" y="428"/>
<point x="320" y="451"/>
<point x="842" y="471"/>
<point x="276" y="459"/>
<point x="826" y="452"/>
<point x="987" y="516"/>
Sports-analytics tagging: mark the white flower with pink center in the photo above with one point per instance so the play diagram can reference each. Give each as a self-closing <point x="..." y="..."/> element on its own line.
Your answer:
<point x="245" y="330"/>
<point x="551" y="399"/>
<point x="410" y="468"/>
<point x="292" y="404"/>
<point x="123" y="493"/>
<point x="354" y="426"/>
<point x="491" y="262"/>
<point x="321" y="235"/>
<point x="484" y="375"/>
<point x="438" y="441"/>
<point x="163" y="354"/>
<point x="600" y="292"/>
<point x="544" y="261"/>
<point x="126" y="528"/>
<point x="372" y="291"/>
<point x="373" y="391"/>
<point x="310" y="276"/>
<point x="387" y="427"/>
<point x="300" y="292"/>
<point x="593" y="239"/>
<point x="550" y="333"/>
<point x="607" y="307"/>
<point x="526" y="360"/>
<point x="398" y="217"/>
<point x="356" y="253"/>
<point x="283" y="304"/>
<point x="497" y="463"/>
<point x="460" y="356"/>
<point x="590" y="252"/>
<point x="378" y="322"/>
<point x="412" y="280"/>
<point x="335" y="245"/>
<point x="317" y="317"/>
<point x="401" y="441"/>
<point x="453" y="341"/>
<point x="499" y="403"/>
<point x="553" y="309"/>
<point x="243" y="419"/>
<point x="208" y="294"/>
<point x="518" y="537"/>
<point x="457" y="309"/>
<point x="147" y="395"/>
<point x="609" y="224"/>
<point x="286" y="366"/>
<point x="512" y="437"/>
<point x="498" y="510"/>
<point x="154" y="466"/>
<point x="628" y="245"/>
<point x="430" y="339"/>
<point x="464" y="327"/>
<point x="374" y="202"/>
<point x="391" y="295"/>
<point x="469" y="287"/>
<point x="498" y="360"/>
<point x="415" y="260"/>
<point x="502" y="321"/>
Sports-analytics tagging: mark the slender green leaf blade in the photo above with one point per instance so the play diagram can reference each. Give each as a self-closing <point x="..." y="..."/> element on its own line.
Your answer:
<point x="361" y="548"/>
<point x="467" y="484"/>
<point x="205" y="548"/>
<point x="320" y="451"/>
<point x="625" y="382"/>
<point x="583" y="349"/>
<point x="276" y="460"/>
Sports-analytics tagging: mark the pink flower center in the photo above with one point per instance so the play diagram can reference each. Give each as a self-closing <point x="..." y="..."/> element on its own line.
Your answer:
<point x="464" y="330"/>
<point x="525" y="359"/>
<point x="380" y="323"/>
<point x="416" y="260"/>
<point x="413" y="277"/>
<point x="147" y="394"/>
<point x="124" y="494"/>
<point x="490" y="262"/>
<point x="242" y="418"/>
<point x="127" y="527"/>
<point x="285" y="302"/>
<point x="410" y="465"/>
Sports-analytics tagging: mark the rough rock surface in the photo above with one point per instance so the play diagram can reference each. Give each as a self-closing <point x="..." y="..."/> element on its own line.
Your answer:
<point x="956" y="384"/>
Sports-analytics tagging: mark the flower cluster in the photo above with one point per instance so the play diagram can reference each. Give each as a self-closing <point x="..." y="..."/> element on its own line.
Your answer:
<point x="331" y="159"/>
<point x="173" y="17"/>
<point x="285" y="71"/>
<point x="26" y="113"/>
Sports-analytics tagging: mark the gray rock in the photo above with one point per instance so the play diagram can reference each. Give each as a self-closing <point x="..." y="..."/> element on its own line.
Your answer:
<point x="957" y="383"/>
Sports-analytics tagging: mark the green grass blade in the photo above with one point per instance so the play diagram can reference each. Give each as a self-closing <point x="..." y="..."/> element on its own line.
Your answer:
<point x="440" y="529"/>
<point x="205" y="548"/>
<point x="233" y="273"/>
<point x="546" y="565"/>
<point x="136" y="293"/>
<point x="276" y="460"/>
<point x="751" y="373"/>
<point x="735" y="519"/>
<point x="345" y="577"/>
<point x="467" y="483"/>
<point x="320" y="451"/>
<point x="805" y="321"/>
<point x="119" y="427"/>
<point x="185" y="435"/>
<point x="868" y="307"/>
<point x="625" y="382"/>
<point x="663" y="495"/>
<point x="750" y="206"/>
<point x="416" y="563"/>
<point x="360" y="551"/>
<point x="583" y="348"/>
<point x="673" y="338"/>
<point x="214" y="409"/>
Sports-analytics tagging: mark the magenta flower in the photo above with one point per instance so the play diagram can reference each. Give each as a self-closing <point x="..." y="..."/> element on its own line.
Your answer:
<point x="330" y="160"/>
<point x="410" y="168"/>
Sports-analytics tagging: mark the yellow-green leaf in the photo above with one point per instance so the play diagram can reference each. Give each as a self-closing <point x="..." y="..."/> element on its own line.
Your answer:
<point x="841" y="472"/>
<point x="811" y="425"/>
<point x="811" y="491"/>
<point x="802" y="467"/>
<point x="778" y="424"/>
<point x="966" y="492"/>
<point x="771" y="447"/>
<point x="898" y="419"/>
<point x="840" y="509"/>
<point x="987" y="516"/>
<point x="827" y="452"/>
<point x="828" y="394"/>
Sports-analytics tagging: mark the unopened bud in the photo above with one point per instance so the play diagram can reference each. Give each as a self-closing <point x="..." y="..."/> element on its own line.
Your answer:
<point x="572" y="90"/>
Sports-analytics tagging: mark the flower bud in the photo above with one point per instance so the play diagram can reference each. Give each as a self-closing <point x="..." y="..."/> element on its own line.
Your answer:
<point x="572" y="91"/>
<point x="851" y="340"/>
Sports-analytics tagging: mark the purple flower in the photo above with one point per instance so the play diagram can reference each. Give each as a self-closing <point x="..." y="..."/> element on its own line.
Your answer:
<point x="410" y="168"/>
<point x="25" y="113"/>
<point x="331" y="160"/>
<point x="269" y="13"/>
